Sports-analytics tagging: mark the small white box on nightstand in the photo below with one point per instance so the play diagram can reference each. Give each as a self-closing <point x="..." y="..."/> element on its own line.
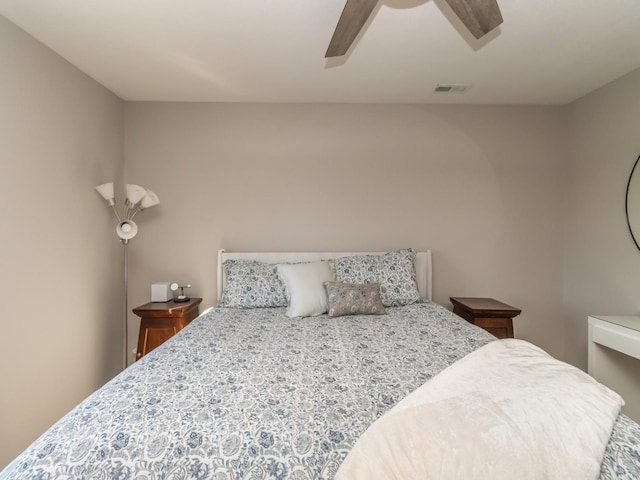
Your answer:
<point x="161" y="292"/>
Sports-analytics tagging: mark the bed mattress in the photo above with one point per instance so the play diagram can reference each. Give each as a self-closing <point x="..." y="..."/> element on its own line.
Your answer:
<point x="254" y="394"/>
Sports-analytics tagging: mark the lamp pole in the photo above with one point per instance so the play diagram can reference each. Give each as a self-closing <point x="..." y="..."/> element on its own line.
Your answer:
<point x="125" y="320"/>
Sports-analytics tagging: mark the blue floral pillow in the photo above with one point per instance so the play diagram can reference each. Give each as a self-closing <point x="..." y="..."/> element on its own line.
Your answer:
<point x="394" y="271"/>
<point x="252" y="284"/>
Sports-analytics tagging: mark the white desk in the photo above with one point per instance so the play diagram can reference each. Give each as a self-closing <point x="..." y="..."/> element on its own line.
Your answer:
<point x="614" y="357"/>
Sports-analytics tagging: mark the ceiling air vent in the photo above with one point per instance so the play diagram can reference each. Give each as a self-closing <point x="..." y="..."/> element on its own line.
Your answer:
<point x="451" y="88"/>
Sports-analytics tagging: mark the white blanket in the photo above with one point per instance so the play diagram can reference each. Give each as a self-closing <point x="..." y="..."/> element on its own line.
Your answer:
<point x="506" y="411"/>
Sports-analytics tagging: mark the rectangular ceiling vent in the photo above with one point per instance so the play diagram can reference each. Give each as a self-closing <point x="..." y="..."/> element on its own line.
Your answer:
<point x="440" y="88"/>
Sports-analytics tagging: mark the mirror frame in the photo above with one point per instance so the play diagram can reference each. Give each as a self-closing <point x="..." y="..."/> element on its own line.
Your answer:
<point x="634" y="171"/>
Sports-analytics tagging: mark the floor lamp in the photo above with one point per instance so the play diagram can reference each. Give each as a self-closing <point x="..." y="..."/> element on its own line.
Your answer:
<point x="137" y="199"/>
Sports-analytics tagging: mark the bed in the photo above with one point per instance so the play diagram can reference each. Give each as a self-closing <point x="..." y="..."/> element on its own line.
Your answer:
<point x="252" y="393"/>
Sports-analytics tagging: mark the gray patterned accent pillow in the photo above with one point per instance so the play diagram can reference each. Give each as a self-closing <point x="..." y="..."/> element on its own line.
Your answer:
<point x="252" y="284"/>
<point x="394" y="271"/>
<point x="353" y="299"/>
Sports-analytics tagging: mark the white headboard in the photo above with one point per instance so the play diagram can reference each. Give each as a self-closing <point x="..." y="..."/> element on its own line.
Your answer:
<point x="422" y="264"/>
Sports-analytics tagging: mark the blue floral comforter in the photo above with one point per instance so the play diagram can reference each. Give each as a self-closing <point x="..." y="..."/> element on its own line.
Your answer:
<point x="252" y="394"/>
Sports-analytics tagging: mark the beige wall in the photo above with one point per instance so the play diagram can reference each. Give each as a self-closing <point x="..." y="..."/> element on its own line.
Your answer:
<point x="60" y="134"/>
<point x="481" y="186"/>
<point x="602" y="264"/>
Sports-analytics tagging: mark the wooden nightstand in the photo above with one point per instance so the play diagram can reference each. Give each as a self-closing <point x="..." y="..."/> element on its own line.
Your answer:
<point x="161" y="321"/>
<point x="495" y="317"/>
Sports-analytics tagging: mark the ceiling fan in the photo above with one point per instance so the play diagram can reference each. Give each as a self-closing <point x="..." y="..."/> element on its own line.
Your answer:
<point x="479" y="16"/>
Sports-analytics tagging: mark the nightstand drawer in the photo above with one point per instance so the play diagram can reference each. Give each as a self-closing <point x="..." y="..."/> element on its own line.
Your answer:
<point x="500" y="327"/>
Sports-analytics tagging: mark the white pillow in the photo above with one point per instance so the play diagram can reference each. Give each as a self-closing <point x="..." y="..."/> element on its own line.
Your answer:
<point x="304" y="286"/>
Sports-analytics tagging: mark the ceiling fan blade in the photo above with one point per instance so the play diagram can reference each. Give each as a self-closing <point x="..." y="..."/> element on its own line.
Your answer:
<point x="353" y="18"/>
<point x="479" y="16"/>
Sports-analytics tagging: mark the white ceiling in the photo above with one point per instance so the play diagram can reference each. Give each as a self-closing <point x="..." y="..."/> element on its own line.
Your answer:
<point x="545" y="52"/>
